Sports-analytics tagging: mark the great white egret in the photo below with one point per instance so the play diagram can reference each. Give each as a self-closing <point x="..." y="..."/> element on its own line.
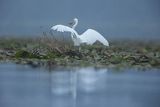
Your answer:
<point x="89" y="37"/>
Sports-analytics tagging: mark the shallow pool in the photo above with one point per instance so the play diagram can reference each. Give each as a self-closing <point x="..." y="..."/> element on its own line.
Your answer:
<point x="24" y="86"/>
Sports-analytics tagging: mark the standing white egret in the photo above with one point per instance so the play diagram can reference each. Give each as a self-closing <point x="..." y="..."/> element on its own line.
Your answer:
<point x="89" y="37"/>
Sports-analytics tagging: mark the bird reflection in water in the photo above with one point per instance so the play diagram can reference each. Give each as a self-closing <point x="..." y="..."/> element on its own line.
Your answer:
<point x="67" y="84"/>
<point x="86" y="80"/>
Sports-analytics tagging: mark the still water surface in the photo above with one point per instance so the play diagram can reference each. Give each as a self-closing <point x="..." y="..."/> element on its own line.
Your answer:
<point x="23" y="86"/>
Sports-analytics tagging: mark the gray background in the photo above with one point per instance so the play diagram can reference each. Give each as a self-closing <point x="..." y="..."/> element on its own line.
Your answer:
<point x="112" y="18"/>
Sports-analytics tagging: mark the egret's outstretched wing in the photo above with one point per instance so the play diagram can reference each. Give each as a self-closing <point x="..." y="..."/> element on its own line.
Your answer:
<point x="91" y="36"/>
<point x="62" y="28"/>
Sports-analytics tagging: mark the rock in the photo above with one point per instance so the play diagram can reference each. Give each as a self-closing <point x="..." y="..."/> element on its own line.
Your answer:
<point x="33" y="64"/>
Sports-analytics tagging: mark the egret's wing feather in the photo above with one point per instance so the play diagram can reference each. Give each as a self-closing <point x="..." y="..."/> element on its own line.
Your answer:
<point x="91" y="36"/>
<point x="62" y="28"/>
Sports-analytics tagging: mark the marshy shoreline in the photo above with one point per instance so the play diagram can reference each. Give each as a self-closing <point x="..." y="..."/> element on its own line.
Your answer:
<point x="48" y="51"/>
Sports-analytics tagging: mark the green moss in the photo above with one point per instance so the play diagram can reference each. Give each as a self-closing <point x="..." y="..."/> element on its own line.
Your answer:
<point x="1" y="58"/>
<point x="116" y="59"/>
<point x="52" y="55"/>
<point x="25" y="54"/>
<point x="22" y="54"/>
<point x="155" y="62"/>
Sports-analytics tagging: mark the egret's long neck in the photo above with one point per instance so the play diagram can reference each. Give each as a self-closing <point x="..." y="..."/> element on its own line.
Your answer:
<point x="74" y="26"/>
<point x="75" y="36"/>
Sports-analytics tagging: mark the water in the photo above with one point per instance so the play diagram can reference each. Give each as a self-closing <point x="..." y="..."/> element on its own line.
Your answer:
<point x="23" y="86"/>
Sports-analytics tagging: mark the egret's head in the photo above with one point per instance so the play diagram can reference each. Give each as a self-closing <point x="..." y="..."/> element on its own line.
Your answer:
<point x="75" y="20"/>
<point x="75" y="23"/>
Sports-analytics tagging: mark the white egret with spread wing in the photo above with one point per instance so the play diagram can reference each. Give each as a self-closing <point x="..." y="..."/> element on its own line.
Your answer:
<point x="89" y="37"/>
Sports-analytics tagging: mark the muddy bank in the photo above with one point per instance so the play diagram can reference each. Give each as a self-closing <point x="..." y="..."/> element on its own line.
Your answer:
<point x="46" y="51"/>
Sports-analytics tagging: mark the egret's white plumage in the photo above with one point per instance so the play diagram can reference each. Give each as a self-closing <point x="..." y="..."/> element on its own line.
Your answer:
<point x="89" y="37"/>
<point x="62" y="28"/>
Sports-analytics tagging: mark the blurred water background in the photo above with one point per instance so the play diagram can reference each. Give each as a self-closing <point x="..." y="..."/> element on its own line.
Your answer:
<point x="22" y="85"/>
